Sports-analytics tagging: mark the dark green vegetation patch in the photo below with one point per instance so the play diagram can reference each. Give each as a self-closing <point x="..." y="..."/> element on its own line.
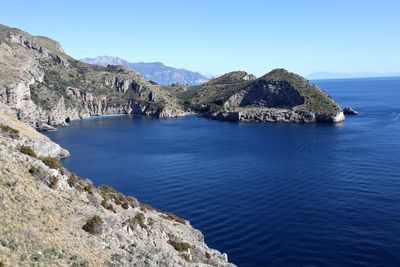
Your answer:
<point x="94" y="225"/>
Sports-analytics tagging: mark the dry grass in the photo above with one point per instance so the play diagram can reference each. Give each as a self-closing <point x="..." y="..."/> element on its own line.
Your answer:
<point x="28" y="151"/>
<point x="173" y="217"/>
<point x="38" y="227"/>
<point x="22" y="128"/>
<point x="53" y="163"/>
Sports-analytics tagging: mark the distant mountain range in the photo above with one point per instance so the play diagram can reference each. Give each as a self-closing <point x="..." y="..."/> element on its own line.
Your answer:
<point x="342" y="75"/>
<point x="153" y="71"/>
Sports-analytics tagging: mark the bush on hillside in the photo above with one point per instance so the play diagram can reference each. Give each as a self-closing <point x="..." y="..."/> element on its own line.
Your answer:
<point x="28" y="151"/>
<point x="94" y="225"/>
<point x="53" y="163"/>
<point x="53" y="182"/>
<point x="179" y="246"/>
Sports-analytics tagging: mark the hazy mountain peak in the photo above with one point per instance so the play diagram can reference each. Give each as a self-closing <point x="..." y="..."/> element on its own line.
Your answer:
<point x="154" y="71"/>
<point x="105" y="60"/>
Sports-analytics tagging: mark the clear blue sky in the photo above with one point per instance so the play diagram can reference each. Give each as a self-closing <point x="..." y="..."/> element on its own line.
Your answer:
<point x="217" y="36"/>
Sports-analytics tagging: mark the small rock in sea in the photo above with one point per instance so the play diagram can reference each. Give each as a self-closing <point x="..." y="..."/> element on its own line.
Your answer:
<point x="349" y="111"/>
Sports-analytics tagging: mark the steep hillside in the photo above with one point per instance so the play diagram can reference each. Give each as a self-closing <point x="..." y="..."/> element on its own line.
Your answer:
<point x="43" y="85"/>
<point x="52" y="217"/>
<point x="152" y="71"/>
<point x="278" y="96"/>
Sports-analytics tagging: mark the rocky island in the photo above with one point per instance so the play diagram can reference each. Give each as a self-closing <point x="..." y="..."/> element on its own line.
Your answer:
<point x="278" y="96"/>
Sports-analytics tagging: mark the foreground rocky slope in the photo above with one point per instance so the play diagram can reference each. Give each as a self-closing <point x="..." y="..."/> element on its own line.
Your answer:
<point x="44" y="86"/>
<point x="51" y="217"/>
<point x="278" y="96"/>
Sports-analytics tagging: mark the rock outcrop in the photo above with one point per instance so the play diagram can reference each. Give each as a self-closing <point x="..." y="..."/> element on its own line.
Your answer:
<point x="51" y="217"/>
<point x="43" y="85"/>
<point x="349" y="111"/>
<point x="279" y="96"/>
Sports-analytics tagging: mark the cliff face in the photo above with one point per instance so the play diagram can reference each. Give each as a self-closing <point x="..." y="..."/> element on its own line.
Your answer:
<point x="279" y="96"/>
<point x="43" y="85"/>
<point x="51" y="217"/>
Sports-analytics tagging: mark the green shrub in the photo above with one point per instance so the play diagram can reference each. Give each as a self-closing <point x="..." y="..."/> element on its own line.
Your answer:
<point x="125" y="205"/>
<point x="119" y="199"/>
<point x="53" y="163"/>
<point x="109" y="193"/>
<point x="72" y="179"/>
<point x="179" y="246"/>
<point x="137" y="220"/>
<point x="107" y="205"/>
<point x="186" y="257"/>
<point x="94" y="225"/>
<point x="107" y="189"/>
<point x="173" y="217"/>
<point x="53" y="182"/>
<point x="132" y="201"/>
<point x="28" y="151"/>
<point x="88" y="188"/>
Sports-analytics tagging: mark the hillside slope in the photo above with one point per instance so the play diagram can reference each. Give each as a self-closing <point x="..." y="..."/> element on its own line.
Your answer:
<point x="152" y="71"/>
<point x="278" y="96"/>
<point x="51" y="217"/>
<point x="43" y="85"/>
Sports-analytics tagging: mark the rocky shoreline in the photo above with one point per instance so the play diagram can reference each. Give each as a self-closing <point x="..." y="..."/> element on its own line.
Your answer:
<point x="276" y="115"/>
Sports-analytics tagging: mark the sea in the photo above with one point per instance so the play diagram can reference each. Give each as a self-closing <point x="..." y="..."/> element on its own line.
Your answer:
<point x="267" y="194"/>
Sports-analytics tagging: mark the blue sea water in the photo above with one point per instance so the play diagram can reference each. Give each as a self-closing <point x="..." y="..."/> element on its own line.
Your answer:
<point x="266" y="194"/>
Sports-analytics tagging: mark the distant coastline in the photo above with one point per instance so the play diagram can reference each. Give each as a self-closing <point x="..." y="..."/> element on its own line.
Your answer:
<point x="357" y="78"/>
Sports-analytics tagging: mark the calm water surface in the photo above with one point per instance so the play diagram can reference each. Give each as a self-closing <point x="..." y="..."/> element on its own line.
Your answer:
<point x="267" y="194"/>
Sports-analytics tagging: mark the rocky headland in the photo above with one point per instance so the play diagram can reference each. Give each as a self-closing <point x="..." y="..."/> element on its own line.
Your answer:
<point x="278" y="96"/>
<point x="44" y="86"/>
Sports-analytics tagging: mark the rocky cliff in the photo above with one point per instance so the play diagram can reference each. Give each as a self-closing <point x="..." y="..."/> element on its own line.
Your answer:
<point x="44" y="86"/>
<point x="278" y="96"/>
<point x="51" y="217"/>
